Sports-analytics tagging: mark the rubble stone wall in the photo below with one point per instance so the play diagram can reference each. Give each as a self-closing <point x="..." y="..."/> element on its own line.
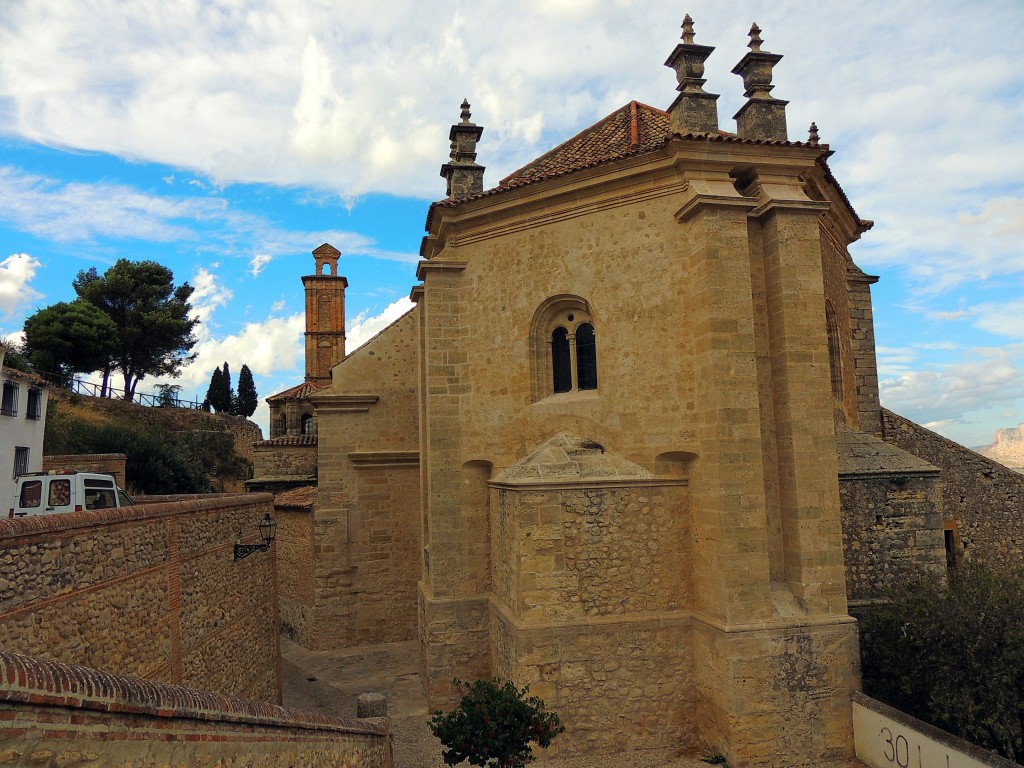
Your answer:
<point x="982" y="501"/>
<point x="151" y="591"/>
<point x="892" y="527"/>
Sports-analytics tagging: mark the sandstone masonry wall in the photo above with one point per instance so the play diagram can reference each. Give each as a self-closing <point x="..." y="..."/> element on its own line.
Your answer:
<point x="62" y="715"/>
<point x="983" y="501"/>
<point x="296" y="567"/>
<point x="151" y="590"/>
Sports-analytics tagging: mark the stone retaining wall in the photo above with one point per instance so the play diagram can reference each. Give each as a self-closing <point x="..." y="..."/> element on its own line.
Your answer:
<point x="982" y="501"/>
<point x="151" y="591"/>
<point x="62" y="715"/>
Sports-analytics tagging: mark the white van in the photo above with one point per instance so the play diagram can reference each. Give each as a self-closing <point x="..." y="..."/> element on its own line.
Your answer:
<point x="40" y="493"/>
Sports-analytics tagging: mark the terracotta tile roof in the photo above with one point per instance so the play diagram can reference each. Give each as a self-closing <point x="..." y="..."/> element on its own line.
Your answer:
<point x="303" y="497"/>
<point x="298" y="392"/>
<point x="289" y="440"/>
<point x="630" y="129"/>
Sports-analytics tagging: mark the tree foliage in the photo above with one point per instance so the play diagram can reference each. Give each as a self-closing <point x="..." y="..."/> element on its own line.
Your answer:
<point x="953" y="655"/>
<point x="247" y="399"/>
<point x="218" y="394"/>
<point x="494" y="725"/>
<point x="152" y="317"/>
<point x="68" y="338"/>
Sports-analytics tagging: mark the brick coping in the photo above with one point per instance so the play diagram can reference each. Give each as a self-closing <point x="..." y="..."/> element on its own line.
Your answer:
<point x="40" y="682"/>
<point x="89" y="518"/>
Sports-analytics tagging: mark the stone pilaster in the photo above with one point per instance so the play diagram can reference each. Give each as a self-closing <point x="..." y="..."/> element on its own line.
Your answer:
<point x="454" y="616"/>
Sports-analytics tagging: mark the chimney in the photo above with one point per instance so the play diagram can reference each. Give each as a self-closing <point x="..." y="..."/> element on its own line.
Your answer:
<point x="465" y="178"/>
<point x="763" y="116"/>
<point x="694" y="110"/>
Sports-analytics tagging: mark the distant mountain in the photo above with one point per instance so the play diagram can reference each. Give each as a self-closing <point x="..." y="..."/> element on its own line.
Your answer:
<point x="1008" y="447"/>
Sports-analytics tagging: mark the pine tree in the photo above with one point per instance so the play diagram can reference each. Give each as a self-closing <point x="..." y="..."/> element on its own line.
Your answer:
<point x="247" y="399"/>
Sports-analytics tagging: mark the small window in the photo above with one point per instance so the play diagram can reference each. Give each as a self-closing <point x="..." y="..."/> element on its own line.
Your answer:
<point x="9" y="404"/>
<point x="283" y="424"/>
<point x="835" y="354"/>
<point x="60" y="493"/>
<point x="586" y="357"/>
<point x="31" y="494"/>
<point x="20" y="461"/>
<point x="34" y="407"/>
<point x="307" y="424"/>
<point x="561" y="360"/>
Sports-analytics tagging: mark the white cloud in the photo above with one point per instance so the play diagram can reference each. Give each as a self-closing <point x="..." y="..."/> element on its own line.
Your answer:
<point x="16" y="272"/>
<point x="258" y="262"/>
<point x="362" y="328"/>
<point x="209" y="294"/>
<point x="983" y="379"/>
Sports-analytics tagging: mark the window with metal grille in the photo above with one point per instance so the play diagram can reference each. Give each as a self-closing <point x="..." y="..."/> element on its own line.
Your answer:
<point x="20" y="461"/>
<point x="9" y="403"/>
<point x="307" y="424"/>
<point x="34" y="406"/>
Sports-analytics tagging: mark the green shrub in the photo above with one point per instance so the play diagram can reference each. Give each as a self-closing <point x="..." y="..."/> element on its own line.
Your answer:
<point x="953" y="654"/>
<point x="494" y="725"/>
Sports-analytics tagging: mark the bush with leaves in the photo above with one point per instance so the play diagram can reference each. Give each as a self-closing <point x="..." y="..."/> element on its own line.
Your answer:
<point x="953" y="654"/>
<point x="494" y="725"/>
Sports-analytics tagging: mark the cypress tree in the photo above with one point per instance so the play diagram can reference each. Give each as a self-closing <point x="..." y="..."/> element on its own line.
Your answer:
<point x="247" y="400"/>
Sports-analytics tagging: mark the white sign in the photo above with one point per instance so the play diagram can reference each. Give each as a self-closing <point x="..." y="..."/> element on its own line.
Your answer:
<point x="882" y="742"/>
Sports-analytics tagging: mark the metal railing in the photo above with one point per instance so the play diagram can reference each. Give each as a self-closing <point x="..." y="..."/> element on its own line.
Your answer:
<point x="152" y="399"/>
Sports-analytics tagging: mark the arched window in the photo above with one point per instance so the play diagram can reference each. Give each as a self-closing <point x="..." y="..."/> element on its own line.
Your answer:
<point x="563" y="347"/>
<point x="835" y="356"/>
<point x="561" y="360"/>
<point x="586" y="357"/>
<point x="307" y="424"/>
<point x="283" y="429"/>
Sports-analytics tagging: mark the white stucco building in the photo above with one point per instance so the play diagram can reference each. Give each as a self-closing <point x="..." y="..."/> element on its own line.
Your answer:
<point x="23" y="399"/>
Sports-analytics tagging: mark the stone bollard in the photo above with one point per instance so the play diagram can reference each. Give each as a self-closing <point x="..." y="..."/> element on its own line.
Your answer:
<point x="371" y="705"/>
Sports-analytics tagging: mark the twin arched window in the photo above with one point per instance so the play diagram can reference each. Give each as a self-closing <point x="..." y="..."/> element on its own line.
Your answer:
<point x="564" y="347"/>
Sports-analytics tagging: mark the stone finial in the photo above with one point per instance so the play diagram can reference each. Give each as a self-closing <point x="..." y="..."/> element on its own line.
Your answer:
<point x="687" y="30"/>
<point x="694" y="110"/>
<point x="755" y="38"/>
<point x="763" y="116"/>
<point x="464" y="176"/>
<point x="812" y="135"/>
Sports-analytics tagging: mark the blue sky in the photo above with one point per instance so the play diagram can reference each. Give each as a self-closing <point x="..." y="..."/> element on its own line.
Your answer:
<point x="229" y="139"/>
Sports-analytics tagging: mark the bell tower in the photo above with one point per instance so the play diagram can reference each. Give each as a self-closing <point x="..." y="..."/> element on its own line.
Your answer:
<point x="325" y="316"/>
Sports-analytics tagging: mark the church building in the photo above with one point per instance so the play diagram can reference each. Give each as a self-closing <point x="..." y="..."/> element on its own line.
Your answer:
<point x="627" y="447"/>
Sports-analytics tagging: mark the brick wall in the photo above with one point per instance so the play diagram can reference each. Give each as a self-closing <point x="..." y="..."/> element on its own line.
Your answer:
<point x="151" y="591"/>
<point x="62" y="715"/>
<point x="102" y="463"/>
<point x="983" y="501"/>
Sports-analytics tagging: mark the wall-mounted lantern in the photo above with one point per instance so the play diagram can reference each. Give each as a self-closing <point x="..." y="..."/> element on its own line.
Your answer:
<point x="268" y="529"/>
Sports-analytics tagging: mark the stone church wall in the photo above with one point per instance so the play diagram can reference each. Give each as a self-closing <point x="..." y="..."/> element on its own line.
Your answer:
<point x="366" y="527"/>
<point x="982" y="501"/>
<point x="150" y="591"/>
